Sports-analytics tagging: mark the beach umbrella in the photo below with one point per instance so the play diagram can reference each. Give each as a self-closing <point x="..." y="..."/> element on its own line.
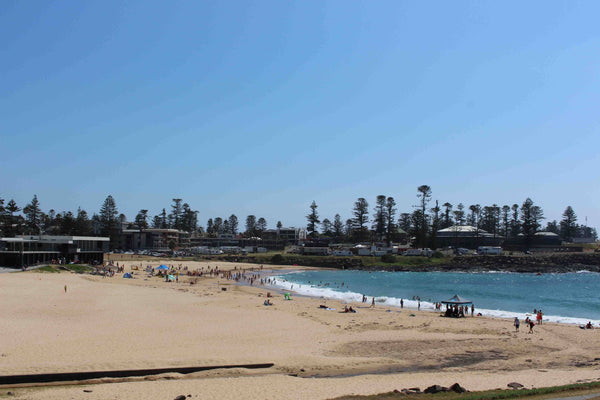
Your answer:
<point x="163" y="267"/>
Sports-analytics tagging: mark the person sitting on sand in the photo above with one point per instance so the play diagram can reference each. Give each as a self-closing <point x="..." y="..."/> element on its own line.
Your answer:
<point x="589" y="325"/>
<point x="346" y="309"/>
<point x="268" y="302"/>
<point x="351" y="309"/>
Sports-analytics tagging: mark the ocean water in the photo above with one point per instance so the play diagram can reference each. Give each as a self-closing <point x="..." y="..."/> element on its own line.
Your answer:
<point x="572" y="298"/>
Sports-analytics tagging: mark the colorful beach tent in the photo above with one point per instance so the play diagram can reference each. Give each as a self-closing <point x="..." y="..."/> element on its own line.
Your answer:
<point x="127" y="275"/>
<point x="457" y="300"/>
<point x="163" y="267"/>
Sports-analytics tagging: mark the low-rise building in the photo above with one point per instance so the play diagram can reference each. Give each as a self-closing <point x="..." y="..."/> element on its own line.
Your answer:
<point x="466" y="236"/>
<point x="153" y="239"/>
<point x="40" y="249"/>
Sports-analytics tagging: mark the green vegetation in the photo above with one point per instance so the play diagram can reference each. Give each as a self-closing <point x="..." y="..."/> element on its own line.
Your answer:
<point x="48" y="268"/>
<point x="79" y="268"/>
<point x="277" y="259"/>
<point x="57" y="268"/>
<point x="388" y="258"/>
<point x="530" y="394"/>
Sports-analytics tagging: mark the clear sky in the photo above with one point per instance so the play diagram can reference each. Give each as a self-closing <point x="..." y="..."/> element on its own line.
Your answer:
<point x="262" y="107"/>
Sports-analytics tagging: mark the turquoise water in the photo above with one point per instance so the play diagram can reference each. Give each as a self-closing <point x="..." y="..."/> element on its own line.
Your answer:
<point x="568" y="298"/>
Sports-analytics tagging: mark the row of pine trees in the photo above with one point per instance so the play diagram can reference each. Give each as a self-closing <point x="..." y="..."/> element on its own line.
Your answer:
<point x="421" y="223"/>
<point x="428" y="217"/>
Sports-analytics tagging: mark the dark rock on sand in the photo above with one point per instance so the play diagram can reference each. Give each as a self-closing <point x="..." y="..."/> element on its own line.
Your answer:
<point x="515" y="385"/>
<point x="435" y="389"/>
<point x="457" y="388"/>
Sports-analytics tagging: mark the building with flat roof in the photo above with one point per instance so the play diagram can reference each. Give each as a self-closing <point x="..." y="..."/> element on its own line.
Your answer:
<point x="39" y="249"/>
<point x="466" y="236"/>
<point x="153" y="239"/>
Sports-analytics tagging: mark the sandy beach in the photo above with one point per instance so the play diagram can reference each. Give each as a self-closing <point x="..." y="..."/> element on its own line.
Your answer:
<point x="117" y="324"/>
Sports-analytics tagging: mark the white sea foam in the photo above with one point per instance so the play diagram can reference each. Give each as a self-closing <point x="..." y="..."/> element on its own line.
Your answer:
<point x="349" y="297"/>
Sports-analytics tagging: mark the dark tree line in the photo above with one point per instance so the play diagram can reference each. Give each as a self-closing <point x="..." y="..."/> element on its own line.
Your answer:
<point x="31" y="220"/>
<point x="426" y="219"/>
<point x="421" y="223"/>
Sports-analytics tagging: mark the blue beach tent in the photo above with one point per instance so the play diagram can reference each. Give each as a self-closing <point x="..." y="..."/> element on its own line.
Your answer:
<point x="127" y="275"/>
<point x="163" y="267"/>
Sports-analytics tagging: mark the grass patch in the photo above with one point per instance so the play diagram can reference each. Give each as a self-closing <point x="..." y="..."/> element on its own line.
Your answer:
<point x="48" y="268"/>
<point x="78" y="268"/>
<point x="530" y="394"/>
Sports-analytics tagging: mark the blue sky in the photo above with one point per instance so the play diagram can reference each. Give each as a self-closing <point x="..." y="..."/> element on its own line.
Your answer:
<point x="262" y="107"/>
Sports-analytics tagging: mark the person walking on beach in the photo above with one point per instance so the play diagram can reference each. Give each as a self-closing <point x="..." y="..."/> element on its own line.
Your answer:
<point x="373" y="303"/>
<point x="65" y="288"/>
<point x="539" y="317"/>
<point x="531" y="325"/>
<point x="516" y="324"/>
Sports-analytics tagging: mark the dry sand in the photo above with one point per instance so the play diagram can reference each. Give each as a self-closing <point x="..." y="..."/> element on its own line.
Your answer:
<point x="116" y="324"/>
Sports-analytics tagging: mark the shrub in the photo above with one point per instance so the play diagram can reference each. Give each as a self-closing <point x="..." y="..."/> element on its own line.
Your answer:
<point x="388" y="258"/>
<point x="277" y="259"/>
<point x="437" y="254"/>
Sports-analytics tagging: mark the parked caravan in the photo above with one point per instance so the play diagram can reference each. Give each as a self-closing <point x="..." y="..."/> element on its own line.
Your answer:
<point x="489" y="250"/>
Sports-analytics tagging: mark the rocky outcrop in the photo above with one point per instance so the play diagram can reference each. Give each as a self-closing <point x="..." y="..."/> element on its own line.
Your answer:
<point x="552" y="263"/>
<point x="535" y="263"/>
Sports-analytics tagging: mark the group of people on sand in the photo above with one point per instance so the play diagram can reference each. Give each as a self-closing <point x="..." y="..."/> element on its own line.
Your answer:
<point x="529" y="322"/>
<point x="455" y="311"/>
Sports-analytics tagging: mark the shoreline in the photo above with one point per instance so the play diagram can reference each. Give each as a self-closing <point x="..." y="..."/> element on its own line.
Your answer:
<point x="143" y="323"/>
<point x="427" y="305"/>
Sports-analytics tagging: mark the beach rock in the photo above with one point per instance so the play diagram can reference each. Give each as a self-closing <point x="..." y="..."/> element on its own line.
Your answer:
<point x="435" y="389"/>
<point x="180" y="397"/>
<point x="515" y="385"/>
<point x="457" y="388"/>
